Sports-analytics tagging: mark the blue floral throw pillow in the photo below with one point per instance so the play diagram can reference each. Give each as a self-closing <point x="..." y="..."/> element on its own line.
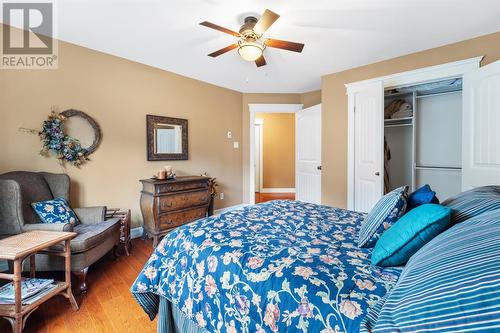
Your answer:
<point x="385" y="213"/>
<point x="55" y="211"/>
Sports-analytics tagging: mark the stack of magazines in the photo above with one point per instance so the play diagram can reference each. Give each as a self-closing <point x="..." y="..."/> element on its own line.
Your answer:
<point x="31" y="290"/>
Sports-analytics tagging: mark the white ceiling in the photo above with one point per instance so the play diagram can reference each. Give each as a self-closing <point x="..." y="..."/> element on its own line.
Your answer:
<point x="339" y="34"/>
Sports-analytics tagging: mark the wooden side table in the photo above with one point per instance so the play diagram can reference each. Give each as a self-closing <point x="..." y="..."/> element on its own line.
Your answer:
<point x="124" y="216"/>
<point x="26" y="245"/>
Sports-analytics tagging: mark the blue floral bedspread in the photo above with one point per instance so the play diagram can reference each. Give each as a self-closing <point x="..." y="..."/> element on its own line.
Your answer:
<point x="282" y="266"/>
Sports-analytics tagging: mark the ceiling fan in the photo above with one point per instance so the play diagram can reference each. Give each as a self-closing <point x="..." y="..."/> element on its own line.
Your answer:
<point x="251" y="44"/>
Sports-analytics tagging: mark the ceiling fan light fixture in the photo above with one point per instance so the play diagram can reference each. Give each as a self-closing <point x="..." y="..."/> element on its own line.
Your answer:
<point x="250" y="43"/>
<point x="250" y="50"/>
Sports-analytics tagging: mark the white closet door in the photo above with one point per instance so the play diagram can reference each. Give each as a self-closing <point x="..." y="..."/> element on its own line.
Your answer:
<point x="368" y="146"/>
<point x="308" y="154"/>
<point x="481" y="127"/>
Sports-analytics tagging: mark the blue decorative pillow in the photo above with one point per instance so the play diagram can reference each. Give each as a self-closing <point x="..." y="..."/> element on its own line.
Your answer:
<point x="55" y="211"/>
<point x="451" y="284"/>
<point x="474" y="202"/>
<point x="421" y="196"/>
<point x="412" y="231"/>
<point x="385" y="213"/>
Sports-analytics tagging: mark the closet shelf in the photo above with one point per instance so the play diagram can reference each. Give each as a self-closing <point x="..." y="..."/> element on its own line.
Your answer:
<point x="398" y="125"/>
<point x="397" y="94"/>
<point x="441" y="93"/>
<point x="398" y="122"/>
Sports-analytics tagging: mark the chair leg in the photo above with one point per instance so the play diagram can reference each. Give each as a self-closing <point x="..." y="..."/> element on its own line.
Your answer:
<point x="115" y="252"/>
<point x="81" y="277"/>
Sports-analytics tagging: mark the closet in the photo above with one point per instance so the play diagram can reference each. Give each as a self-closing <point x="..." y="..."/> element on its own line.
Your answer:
<point x="423" y="133"/>
<point x="439" y="125"/>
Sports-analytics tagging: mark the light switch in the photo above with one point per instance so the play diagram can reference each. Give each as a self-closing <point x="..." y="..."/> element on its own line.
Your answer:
<point x="229" y="134"/>
<point x="236" y="145"/>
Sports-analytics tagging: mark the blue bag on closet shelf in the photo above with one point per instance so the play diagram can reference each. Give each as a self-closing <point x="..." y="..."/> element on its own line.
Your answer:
<point x="421" y="196"/>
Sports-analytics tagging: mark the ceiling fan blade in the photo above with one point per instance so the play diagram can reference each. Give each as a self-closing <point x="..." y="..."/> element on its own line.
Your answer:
<point x="219" y="28"/>
<point x="267" y="19"/>
<point x="223" y="50"/>
<point x="261" y="61"/>
<point x="282" y="44"/>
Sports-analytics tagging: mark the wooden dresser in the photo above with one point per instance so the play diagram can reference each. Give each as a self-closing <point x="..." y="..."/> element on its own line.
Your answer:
<point x="166" y="204"/>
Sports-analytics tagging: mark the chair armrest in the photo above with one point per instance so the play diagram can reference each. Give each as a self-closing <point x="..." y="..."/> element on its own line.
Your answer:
<point x="91" y="215"/>
<point x="11" y="210"/>
<point x="48" y="226"/>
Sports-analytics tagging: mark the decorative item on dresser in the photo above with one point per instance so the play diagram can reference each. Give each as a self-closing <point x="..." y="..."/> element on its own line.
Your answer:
<point x="166" y="204"/>
<point x="213" y="193"/>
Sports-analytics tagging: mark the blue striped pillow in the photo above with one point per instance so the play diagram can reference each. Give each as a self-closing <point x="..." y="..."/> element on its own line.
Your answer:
<point x="452" y="284"/>
<point x="385" y="213"/>
<point x="474" y="202"/>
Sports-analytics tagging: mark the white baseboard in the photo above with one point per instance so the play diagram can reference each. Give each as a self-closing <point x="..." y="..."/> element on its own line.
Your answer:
<point x="278" y="190"/>
<point x="136" y="232"/>
<point x="227" y="209"/>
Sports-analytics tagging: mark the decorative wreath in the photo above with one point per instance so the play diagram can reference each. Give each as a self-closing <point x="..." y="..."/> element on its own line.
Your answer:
<point x="66" y="148"/>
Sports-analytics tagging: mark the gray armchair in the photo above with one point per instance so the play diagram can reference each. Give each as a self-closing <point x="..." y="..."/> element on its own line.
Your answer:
<point x="96" y="235"/>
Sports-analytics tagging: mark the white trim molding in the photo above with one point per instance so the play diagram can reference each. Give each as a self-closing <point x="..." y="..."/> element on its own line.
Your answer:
<point x="267" y="108"/>
<point x="277" y="190"/>
<point x="275" y="108"/>
<point x="260" y="122"/>
<point x="421" y="75"/>
<point x="136" y="232"/>
<point x="228" y="209"/>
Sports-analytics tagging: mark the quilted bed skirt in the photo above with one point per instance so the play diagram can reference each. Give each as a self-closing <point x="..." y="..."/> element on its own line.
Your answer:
<point x="172" y="320"/>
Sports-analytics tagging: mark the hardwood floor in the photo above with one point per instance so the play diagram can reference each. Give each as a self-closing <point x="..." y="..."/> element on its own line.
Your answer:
<point x="108" y="305"/>
<point x="263" y="197"/>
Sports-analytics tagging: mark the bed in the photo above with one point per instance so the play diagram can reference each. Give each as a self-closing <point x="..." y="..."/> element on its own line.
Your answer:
<point x="273" y="267"/>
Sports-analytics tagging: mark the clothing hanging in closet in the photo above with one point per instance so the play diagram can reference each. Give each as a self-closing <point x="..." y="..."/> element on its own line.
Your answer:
<point x="387" y="157"/>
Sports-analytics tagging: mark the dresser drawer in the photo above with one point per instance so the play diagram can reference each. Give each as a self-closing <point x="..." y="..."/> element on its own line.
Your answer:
<point x="175" y="219"/>
<point x="174" y="187"/>
<point x="172" y="202"/>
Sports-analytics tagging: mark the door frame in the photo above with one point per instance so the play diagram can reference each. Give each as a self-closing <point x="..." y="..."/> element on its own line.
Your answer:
<point x="260" y="123"/>
<point x="264" y="108"/>
<point x="449" y="70"/>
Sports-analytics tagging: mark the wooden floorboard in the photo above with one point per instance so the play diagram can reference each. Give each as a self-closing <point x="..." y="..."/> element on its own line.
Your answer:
<point x="108" y="306"/>
<point x="264" y="197"/>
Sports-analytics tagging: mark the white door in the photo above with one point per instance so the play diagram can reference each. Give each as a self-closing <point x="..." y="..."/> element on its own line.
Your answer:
<point x="258" y="155"/>
<point x="368" y="146"/>
<point x="481" y="127"/>
<point x="308" y="154"/>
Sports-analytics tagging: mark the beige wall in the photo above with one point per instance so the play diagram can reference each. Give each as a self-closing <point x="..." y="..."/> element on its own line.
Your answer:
<point x="334" y="103"/>
<point x="310" y="98"/>
<point x="119" y="93"/>
<point x="278" y="150"/>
